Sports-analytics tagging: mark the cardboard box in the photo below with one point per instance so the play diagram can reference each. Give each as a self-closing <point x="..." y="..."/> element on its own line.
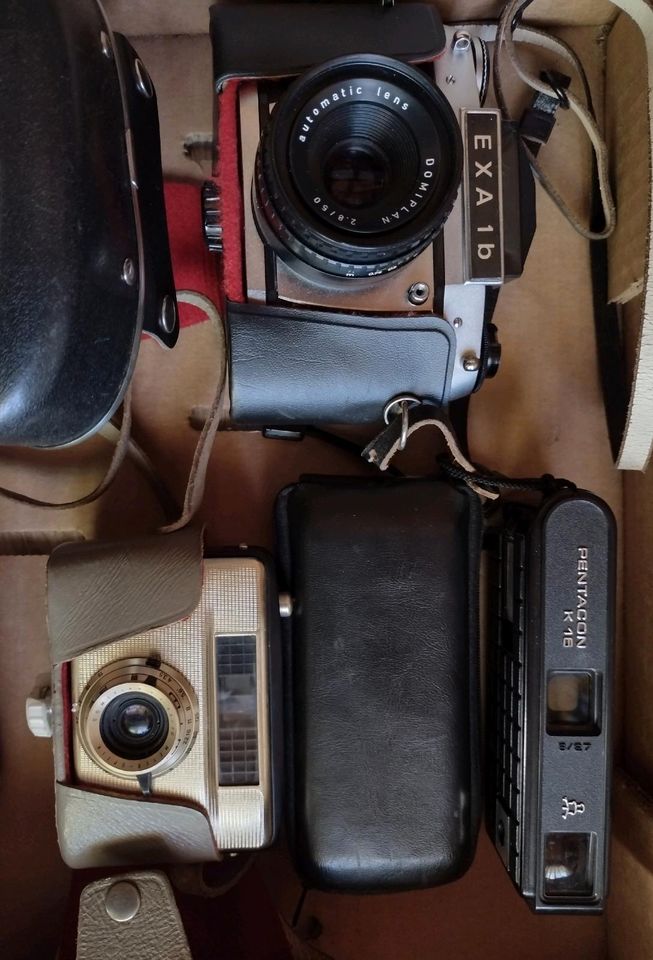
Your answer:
<point x="543" y="413"/>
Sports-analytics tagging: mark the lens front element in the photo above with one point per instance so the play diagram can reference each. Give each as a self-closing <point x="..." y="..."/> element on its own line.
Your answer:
<point x="356" y="174"/>
<point x="359" y="166"/>
<point x="134" y="726"/>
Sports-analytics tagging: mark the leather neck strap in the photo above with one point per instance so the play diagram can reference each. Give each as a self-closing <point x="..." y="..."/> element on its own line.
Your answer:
<point x="630" y="418"/>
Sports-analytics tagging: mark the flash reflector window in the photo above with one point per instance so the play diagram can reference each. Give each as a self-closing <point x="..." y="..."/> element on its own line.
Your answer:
<point x="572" y="704"/>
<point x="569" y="865"/>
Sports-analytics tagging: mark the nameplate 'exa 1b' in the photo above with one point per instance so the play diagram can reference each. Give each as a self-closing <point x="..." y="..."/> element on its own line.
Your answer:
<point x="483" y="196"/>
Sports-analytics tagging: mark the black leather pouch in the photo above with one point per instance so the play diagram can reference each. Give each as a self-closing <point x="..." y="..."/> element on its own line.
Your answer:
<point x="382" y="675"/>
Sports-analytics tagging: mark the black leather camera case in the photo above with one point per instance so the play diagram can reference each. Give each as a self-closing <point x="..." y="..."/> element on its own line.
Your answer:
<point x="382" y="676"/>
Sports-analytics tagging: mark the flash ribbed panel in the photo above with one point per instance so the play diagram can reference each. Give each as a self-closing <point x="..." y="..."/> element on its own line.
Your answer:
<point x="229" y="604"/>
<point x="241" y="818"/>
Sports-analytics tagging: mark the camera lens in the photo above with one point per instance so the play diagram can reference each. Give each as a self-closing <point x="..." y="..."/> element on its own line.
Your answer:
<point x="134" y="726"/>
<point x="358" y="167"/>
<point x="137" y="720"/>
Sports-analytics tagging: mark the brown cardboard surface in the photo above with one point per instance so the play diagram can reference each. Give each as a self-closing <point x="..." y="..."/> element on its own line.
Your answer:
<point x="191" y="16"/>
<point x="637" y="538"/>
<point x="627" y="137"/>
<point x="630" y="917"/>
<point x="479" y="917"/>
<point x="638" y="655"/>
<point x="542" y="413"/>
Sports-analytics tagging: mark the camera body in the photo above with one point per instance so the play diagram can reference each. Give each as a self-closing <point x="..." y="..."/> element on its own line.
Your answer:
<point x="374" y="188"/>
<point x="169" y="739"/>
<point x="551" y="633"/>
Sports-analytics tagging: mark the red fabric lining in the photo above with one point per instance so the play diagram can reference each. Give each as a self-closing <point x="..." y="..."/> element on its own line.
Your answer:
<point x="66" y="706"/>
<point x="231" y="192"/>
<point x="193" y="265"/>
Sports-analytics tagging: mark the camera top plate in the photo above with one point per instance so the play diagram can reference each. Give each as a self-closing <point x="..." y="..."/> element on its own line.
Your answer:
<point x="284" y="39"/>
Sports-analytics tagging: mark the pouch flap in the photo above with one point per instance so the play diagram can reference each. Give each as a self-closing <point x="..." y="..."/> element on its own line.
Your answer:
<point x="290" y="366"/>
<point x="99" y="592"/>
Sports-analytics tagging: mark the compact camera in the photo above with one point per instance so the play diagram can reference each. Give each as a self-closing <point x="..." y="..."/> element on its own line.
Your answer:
<point x="374" y="185"/>
<point x="551" y="633"/>
<point x="167" y="741"/>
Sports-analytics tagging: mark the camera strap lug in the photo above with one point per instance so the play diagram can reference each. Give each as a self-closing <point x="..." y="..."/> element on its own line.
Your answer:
<point x="399" y="407"/>
<point x="538" y="120"/>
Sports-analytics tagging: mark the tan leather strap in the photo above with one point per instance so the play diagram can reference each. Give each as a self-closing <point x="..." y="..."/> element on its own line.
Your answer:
<point x="119" y="454"/>
<point x="131" y="915"/>
<point x="382" y="450"/>
<point x="507" y="40"/>
<point x="197" y="476"/>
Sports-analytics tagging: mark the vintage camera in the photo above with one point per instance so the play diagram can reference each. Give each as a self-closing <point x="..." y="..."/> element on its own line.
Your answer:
<point x="551" y="633"/>
<point x="168" y="742"/>
<point x="375" y="184"/>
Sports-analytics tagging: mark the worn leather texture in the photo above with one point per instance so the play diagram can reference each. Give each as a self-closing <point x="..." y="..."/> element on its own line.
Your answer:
<point x="69" y="220"/>
<point x="155" y="933"/>
<point x="99" y="592"/>
<point x="382" y="665"/>
<point x="287" y="366"/>
<point x="98" y="830"/>
<point x="70" y="325"/>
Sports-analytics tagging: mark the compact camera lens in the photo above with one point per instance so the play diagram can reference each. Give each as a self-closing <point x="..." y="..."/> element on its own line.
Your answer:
<point x="134" y="726"/>
<point x="137" y="720"/>
<point x="358" y="167"/>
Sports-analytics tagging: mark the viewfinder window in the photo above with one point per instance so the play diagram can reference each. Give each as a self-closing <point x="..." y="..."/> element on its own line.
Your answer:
<point x="572" y="704"/>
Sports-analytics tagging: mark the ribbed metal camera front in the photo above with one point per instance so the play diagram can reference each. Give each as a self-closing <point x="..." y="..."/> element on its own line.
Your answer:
<point x="219" y="749"/>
